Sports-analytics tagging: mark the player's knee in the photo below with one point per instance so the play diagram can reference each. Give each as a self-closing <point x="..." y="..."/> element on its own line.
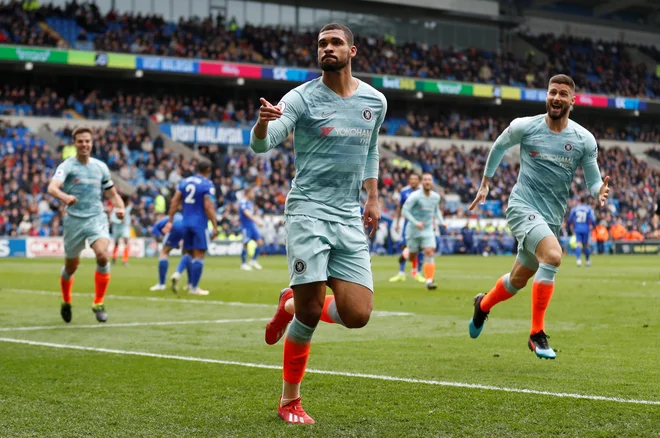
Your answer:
<point x="71" y="267"/>
<point x="309" y="314"/>
<point x="357" y="320"/>
<point x="102" y="258"/>
<point x="552" y="257"/>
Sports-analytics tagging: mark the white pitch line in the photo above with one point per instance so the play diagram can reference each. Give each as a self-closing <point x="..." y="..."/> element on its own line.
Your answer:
<point x="339" y="373"/>
<point x="130" y="324"/>
<point x="179" y="300"/>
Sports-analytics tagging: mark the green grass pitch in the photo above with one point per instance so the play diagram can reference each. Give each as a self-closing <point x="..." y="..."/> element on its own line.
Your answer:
<point x="167" y="365"/>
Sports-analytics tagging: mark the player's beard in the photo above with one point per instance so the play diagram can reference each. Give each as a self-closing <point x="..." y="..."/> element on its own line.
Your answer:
<point x="334" y="67"/>
<point x="562" y="112"/>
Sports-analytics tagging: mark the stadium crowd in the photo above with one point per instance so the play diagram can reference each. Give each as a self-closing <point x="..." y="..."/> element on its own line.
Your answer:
<point x="198" y="110"/>
<point x="26" y="209"/>
<point x="598" y="67"/>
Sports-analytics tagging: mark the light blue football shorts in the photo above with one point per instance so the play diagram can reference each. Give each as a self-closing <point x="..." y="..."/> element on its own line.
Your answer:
<point x="529" y="228"/>
<point x="417" y="240"/>
<point x="121" y="230"/>
<point x="318" y="249"/>
<point x="79" y="230"/>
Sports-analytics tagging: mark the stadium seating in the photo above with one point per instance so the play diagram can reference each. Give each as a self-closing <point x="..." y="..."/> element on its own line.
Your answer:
<point x="597" y="66"/>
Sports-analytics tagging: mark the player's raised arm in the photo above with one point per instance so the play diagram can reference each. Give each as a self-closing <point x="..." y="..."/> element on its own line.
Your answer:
<point x="597" y="187"/>
<point x="276" y="122"/>
<point x="507" y="139"/>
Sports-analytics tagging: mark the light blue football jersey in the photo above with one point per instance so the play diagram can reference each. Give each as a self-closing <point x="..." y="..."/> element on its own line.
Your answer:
<point x="127" y="216"/>
<point x="548" y="162"/>
<point x="421" y="208"/>
<point x="336" y="147"/>
<point x="86" y="182"/>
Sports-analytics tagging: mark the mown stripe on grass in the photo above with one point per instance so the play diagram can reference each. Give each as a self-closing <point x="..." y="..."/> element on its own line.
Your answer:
<point x="338" y="373"/>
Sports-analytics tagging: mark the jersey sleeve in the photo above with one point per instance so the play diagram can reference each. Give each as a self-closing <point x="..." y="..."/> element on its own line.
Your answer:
<point x="156" y="230"/>
<point x="590" y="166"/>
<point x="373" y="157"/>
<point x="106" y="178"/>
<point x="182" y="185"/>
<point x="61" y="172"/>
<point x="507" y="139"/>
<point x="293" y="107"/>
<point x="407" y="208"/>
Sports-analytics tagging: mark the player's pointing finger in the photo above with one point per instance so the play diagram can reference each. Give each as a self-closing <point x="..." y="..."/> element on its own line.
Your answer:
<point x="606" y="181"/>
<point x="265" y="103"/>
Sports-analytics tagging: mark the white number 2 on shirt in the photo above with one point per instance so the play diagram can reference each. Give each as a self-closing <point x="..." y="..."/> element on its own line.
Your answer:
<point x="190" y="190"/>
<point x="581" y="216"/>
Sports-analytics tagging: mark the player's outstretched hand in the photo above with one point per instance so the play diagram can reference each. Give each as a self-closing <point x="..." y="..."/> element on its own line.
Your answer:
<point x="371" y="216"/>
<point x="268" y="112"/>
<point x="70" y="200"/>
<point x="482" y="194"/>
<point x="604" y="191"/>
<point x="214" y="233"/>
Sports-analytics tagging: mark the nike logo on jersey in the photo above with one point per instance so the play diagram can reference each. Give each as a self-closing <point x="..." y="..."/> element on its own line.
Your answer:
<point x="326" y="115"/>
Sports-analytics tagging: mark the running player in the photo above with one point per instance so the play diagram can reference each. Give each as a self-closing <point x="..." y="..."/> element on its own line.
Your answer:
<point x="249" y="223"/>
<point x="121" y="229"/>
<point x="197" y="194"/>
<point x="551" y="148"/>
<point x="582" y="219"/>
<point x="413" y="184"/>
<point x="80" y="183"/>
<point x="336" y="119"/>
<point x="422" y="211"/>
<point x="170" y="240"/>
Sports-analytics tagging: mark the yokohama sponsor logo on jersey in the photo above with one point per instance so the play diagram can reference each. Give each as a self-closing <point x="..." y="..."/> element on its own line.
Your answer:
<point x="330" y="131"/>
<point x="566" y="162"/>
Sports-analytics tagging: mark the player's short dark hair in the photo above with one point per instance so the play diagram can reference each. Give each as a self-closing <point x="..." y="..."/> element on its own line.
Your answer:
<point x="428" y="173"/>
<point x="336" y="26"/>
<point x="203" y="167"/>
<point x="81" y="130"/>
<point x="413" y="174"/>
<point x="563" y="79"/>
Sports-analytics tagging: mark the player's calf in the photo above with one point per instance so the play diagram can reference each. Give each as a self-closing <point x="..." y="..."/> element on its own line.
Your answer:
<point x="353" y="302"/>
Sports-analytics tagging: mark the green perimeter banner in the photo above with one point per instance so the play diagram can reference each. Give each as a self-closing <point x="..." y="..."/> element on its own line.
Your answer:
<point x="33" y="55"/>
<point x="428" y="86"/>
<point x="102" y="59"/>
<point x="657" y="71"/>
<point x="444" y="87"/>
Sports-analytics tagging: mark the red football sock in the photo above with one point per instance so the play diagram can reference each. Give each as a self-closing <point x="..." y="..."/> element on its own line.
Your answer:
<point x="66" y="286"/>
<point x="541" y="294"/>
<point x="100" y="286"/>
<point x="429" y="270"/>
<point x="114" y="252"/>
<point x="496" y="295"/>
<point x="414" y="263"/>
<point x="126" y="251"/>
<point x="295" y="361"/>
